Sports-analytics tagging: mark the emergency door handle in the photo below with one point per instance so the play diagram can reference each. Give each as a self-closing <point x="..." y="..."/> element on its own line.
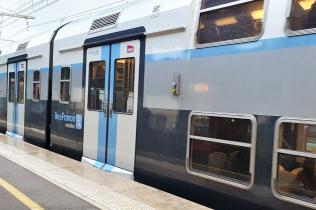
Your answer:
<point x="105" y="108"/>
<point x="110" y="110"/>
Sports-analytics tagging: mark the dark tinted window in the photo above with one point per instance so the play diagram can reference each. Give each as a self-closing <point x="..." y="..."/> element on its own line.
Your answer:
<point x="21" y="87"/>
<point x="213" y="3"/>
<point x="65" y="84"/>
<point x="36" y="85"/>
<point x="296" y="177"/>
<point x="11" y="87"/>
<point x="228" y="161"/>
<point x="231" y="129"/>
<point x="231" y="23"/>
<point x="303" y="15"/>
<point x="124" y="85"/>
<point x="222" y="146"/>
<point x="298" y="137"/>
<point x="96" y="85"/>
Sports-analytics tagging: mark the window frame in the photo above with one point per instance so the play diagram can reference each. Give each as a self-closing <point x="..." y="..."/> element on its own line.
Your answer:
<point x="114" y="92"/>
<point x="252" y="147"/>
<point x="290" y="32"/>
<point x="68" y="80"/>
<point x="89" y="83"/>
<point x="234" y="41"/>
<point x="276" y="151"/>
<point x="36" y="82"/>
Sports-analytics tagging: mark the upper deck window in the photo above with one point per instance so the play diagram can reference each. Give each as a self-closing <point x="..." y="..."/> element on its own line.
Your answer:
<point x="230" y="21"/>
<point x="303" y="15"/>
<point x="213" y="3"/>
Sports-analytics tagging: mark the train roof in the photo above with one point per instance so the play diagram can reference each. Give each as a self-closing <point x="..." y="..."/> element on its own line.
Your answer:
<point x="154" y="15"/>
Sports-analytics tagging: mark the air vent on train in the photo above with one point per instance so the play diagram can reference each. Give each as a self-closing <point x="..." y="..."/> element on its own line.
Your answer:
<point x="22" y="46"/>
<point x="108" y="22"/>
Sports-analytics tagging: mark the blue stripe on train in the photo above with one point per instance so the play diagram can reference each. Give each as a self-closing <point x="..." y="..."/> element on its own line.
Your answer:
<point x="115" y="54"/>
<point x="249" y="47"/>
<point x="102" y="122"/>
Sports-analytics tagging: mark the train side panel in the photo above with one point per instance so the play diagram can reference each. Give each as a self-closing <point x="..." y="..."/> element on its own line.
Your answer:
<point x="37" y="96"/>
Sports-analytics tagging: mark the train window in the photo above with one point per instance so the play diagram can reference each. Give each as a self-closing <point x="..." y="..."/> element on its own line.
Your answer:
<point x="294" y="176"/>
<point x="96" y="86"/>
<point x="65" y="79"/>
<point x="21" y="87"/>
<point x="221" y="148"/>
<point x="213" y="3"/>
<point x="235" y="23"/>
<point x="11" y="87"/>
<point x="124" y="85"/>
<point x="303" y="15"/>
<point x="36" y="85"/>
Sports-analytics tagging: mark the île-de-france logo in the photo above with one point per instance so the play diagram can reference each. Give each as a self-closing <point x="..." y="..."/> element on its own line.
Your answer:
<point x="130" y="49"/>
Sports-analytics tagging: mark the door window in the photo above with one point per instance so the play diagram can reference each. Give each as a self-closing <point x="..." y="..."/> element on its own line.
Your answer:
<point x="11" y="86"/>
<point x="21" y="87"/>
<point x="96" y="85"/>
<point x="124" y="85"/>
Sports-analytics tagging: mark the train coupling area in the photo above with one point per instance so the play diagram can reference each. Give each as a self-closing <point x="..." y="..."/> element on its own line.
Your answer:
<point x="35" y="178"/>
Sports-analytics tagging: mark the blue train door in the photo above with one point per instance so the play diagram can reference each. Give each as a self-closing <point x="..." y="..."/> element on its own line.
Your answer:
<point x="16" y="96"/>
<point x="112" y="74"/>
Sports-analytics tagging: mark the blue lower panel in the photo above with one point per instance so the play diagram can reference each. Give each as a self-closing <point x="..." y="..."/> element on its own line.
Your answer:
<point x="67" y="129"/>
<point x="3" y="115"/>
<point x="160" y="162"/>
<point x="35" y="123"/>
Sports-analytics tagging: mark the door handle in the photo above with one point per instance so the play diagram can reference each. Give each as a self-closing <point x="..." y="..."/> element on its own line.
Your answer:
<point x="105" y="108"/>
<point x="110" y="110"/>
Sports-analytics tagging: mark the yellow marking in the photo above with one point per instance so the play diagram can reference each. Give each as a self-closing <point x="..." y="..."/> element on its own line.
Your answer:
<point x="20" y="196"/>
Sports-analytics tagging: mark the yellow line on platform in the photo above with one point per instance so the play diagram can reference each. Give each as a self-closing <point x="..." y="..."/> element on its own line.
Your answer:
<point x="20" y="196"/>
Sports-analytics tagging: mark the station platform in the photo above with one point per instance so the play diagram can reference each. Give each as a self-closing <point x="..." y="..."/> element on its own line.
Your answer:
<point x="35" y="178"/>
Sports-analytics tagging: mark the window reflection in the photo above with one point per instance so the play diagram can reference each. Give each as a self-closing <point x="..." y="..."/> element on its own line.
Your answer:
<point x="298" y="137"/>
<point x="65" y="84"/>
<point x="230" y="23"/>
<point x="299" y="180"/>
<point x="303" y="15"/>
<point x="213" y="3"/>
<point x="36" y="85"/>
<point x="228" y="161"/>
<point x="124" y="85"/>
<point x="96" y="85"/>
<point x="21" y="87"/>
<point x="232" y="129"/>
<point x="11" y="87"/>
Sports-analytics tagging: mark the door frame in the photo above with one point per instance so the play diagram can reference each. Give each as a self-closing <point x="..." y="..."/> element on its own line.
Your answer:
<point x="16" y="60"/>
<point x="111" y="39"/>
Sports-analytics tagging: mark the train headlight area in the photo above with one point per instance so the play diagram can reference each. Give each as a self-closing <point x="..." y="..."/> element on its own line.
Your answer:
<point x="213" y="101"/>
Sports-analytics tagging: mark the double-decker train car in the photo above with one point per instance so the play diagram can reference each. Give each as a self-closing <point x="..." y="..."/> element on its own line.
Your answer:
<point x="212" y="100"/>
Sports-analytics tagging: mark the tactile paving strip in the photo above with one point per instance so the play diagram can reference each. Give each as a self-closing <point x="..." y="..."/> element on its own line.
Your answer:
<point x="96" y="194"/>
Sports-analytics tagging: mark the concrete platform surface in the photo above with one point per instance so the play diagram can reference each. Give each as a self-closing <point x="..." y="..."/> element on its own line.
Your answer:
<point x="99" y="188"/>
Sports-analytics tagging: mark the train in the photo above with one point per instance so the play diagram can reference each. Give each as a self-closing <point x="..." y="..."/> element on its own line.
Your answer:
<point x="210" y="100"/>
